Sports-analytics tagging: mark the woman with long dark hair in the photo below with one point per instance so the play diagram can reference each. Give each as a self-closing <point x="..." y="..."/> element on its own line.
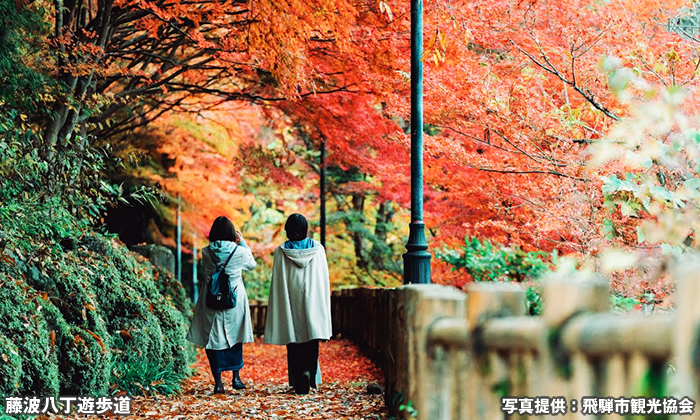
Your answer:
<point x="299" y="306"/>
<point x="222" y="332"/>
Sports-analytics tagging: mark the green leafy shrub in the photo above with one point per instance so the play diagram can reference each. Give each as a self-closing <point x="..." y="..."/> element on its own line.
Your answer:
<point x="84" y="356"/>
<point x="26" y="327"/>
<point x="10" y="367"/>
<point x="139" y="376"/>
<point x="257" y="282"/>
<point x="77" y="316"/>
<point x="168" y="286"/>
<point x="656" y="151"/>
<point x="159" y="330"/>
<point x="533" y="299"/>
<point x="175" y="347"/>
<point x="485" y="262"/>
<point x="622" y="303"/>
<point x="18" y="46"/>
<point x="650" y="172"/>
<point x="76" y="321"/>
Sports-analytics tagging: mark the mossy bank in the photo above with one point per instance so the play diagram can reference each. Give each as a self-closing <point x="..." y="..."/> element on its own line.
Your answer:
<point x="89" y="318"/>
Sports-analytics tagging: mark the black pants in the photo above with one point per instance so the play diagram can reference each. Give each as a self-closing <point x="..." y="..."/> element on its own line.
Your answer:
<point x="302" y="357"/>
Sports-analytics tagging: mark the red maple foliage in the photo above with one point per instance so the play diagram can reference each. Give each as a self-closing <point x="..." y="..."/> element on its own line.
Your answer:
<point x="514" y="92"/>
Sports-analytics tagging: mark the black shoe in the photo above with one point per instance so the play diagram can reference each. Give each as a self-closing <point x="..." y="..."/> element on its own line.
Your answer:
<point x="237" y="383"/>
<point x="219" y="389"/>
<point x="304" y="383"/>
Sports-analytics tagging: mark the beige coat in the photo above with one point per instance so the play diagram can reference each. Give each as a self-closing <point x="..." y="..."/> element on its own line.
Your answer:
<point x="216" y="329"/>
<point x="299" y="306"/>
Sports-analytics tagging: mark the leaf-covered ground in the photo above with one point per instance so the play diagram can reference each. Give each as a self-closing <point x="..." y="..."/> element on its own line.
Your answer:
<point x="343" y="394"/>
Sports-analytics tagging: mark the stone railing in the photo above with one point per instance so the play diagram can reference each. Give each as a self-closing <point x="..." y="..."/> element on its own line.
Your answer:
<point x="451" y="355"/>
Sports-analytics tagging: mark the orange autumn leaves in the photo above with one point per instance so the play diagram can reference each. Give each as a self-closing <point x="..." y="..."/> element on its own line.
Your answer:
<point x="341" y="361"/>
<point x="513" y="95"/>
<point x="198" y="161"/>
<point x="343" y="394"/>
<point x="511" y="102"/>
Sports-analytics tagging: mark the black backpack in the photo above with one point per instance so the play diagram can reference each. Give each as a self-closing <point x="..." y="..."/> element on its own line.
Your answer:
<point x="219" y="293"/>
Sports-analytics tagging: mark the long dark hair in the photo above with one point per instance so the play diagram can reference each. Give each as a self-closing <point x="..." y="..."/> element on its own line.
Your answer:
<point x="297" y="227"/>
<point x="222" y="230"/>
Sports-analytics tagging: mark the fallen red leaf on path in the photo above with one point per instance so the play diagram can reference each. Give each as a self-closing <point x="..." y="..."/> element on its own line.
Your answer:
<point x="342" y="395"/>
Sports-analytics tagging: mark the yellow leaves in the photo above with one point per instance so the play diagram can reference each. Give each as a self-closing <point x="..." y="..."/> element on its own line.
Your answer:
<point x="53" y="338"/>
<point x="672" y="55"/>
<point x="436" y="56"/>
<point x="89" y="307"/>
<point x="126" y="334"/>
<point x="384" y="8"/>
<point x="441" y="39"/>
<point x="436" y="48"/>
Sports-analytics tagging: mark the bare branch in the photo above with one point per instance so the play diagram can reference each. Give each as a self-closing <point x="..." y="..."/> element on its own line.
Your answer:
<point x="550" y="68"/>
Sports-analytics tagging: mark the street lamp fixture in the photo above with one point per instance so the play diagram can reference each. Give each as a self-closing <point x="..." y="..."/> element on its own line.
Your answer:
<point x="417" y="259"/>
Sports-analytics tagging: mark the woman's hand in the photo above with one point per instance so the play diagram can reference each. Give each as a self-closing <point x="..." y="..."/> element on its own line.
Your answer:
<point x="239" y="236"/>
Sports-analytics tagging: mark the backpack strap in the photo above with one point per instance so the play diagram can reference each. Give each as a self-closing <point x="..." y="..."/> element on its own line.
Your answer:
<point x="216" y="264"/>
<point x="229" y="257"/>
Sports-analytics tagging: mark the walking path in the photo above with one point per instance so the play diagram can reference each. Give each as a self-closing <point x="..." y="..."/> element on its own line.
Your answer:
<point x="343" y="394"/>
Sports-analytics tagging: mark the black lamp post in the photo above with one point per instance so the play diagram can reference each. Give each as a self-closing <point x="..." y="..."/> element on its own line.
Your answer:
<point x="417" y="259"/>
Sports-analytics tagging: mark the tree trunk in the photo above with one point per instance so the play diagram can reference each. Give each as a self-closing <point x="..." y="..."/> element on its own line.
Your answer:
<point x="385" y="212"/>
<point x="358" y="206"/>
<point x="71" y="17"/>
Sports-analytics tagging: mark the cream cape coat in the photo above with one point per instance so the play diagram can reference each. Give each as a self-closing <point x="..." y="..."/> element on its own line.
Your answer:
<point x="216" y="329"/>
<point x="299" y="306"/>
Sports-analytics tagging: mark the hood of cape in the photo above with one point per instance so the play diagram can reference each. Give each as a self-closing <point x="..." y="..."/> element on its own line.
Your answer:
<point x="302" y="257"/>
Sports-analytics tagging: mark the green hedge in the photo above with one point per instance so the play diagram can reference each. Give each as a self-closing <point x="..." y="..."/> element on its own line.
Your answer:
<point x="25" y="326"/>
<point x="75" y="318"/>
<point x="10" y="367"/>
<point x="151" y="314"/>
<point x="80" y="335"/>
